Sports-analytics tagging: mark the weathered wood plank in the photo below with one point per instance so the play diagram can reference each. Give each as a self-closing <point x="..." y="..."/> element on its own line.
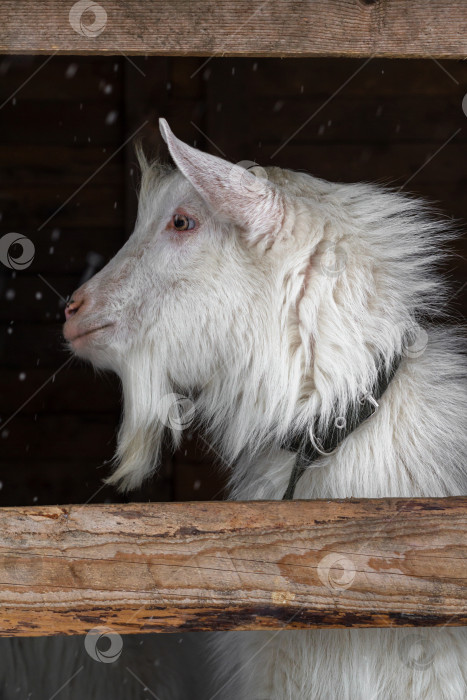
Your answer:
<point x="242" y="27"/>
<point x="223" y="565"/>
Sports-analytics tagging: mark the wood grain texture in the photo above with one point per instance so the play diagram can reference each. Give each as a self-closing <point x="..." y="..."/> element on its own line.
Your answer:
<point x="413" y="28"/>
<point x="223" y="565"/>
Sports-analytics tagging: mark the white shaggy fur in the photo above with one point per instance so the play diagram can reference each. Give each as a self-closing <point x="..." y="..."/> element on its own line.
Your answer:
<point x="272" y="312"/>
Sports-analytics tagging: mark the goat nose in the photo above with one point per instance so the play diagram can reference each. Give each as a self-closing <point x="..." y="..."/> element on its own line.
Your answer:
<point x="73" y="307"/>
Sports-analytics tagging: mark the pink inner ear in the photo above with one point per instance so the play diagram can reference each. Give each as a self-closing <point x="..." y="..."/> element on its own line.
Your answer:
<point x="229" y="189"/>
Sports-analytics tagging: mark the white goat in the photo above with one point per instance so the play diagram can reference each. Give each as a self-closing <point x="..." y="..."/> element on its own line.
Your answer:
<point x="276" y="303"/>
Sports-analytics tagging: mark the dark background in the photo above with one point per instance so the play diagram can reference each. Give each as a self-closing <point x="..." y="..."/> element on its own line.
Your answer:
<point x="377" y="120"/>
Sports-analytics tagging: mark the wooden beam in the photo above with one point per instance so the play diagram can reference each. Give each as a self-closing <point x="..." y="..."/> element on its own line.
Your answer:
<point x="225" y="565"/>
<point x="238" y="28"/>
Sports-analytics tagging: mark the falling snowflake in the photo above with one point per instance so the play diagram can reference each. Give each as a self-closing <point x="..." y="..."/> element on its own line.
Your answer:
<point x="71" y="70"/>
<point x="112" y="117"/>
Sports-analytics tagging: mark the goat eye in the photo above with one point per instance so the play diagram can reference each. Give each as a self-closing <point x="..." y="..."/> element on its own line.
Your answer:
<point x="181" y="222"/>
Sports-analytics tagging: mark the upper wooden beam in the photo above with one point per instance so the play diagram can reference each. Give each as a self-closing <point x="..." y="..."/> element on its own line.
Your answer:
<point x="209" y="566"/>
<point x="398" y="28"/>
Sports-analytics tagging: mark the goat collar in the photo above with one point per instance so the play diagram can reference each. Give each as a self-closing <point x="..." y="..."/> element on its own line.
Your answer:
<point x="310" y="448"/>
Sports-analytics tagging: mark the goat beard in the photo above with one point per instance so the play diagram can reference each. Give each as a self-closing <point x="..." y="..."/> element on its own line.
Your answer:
<point x="148" y="411"/>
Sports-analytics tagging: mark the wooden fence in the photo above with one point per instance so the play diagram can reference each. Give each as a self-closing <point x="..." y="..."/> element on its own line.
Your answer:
<point x="212" y="566"/>
<point x="225" y="565"/>
<point x="412" y="28"/>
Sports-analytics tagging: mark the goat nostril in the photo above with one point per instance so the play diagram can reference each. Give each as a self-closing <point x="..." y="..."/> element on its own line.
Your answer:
<point x="72" y="308"/>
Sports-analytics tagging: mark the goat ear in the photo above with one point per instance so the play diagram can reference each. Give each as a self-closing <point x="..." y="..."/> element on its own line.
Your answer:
<point x="230" y="190"/>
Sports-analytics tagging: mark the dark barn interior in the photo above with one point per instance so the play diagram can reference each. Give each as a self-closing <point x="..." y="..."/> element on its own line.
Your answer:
<point x="68" y="182"/>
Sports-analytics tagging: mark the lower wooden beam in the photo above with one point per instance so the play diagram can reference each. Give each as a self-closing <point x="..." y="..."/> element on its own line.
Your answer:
<point x="226" y="565"/>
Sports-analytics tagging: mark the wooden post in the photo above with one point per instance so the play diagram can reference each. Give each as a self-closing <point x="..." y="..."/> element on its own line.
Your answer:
<point x="226" y="565"/>
<point x="402" y="28"/>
